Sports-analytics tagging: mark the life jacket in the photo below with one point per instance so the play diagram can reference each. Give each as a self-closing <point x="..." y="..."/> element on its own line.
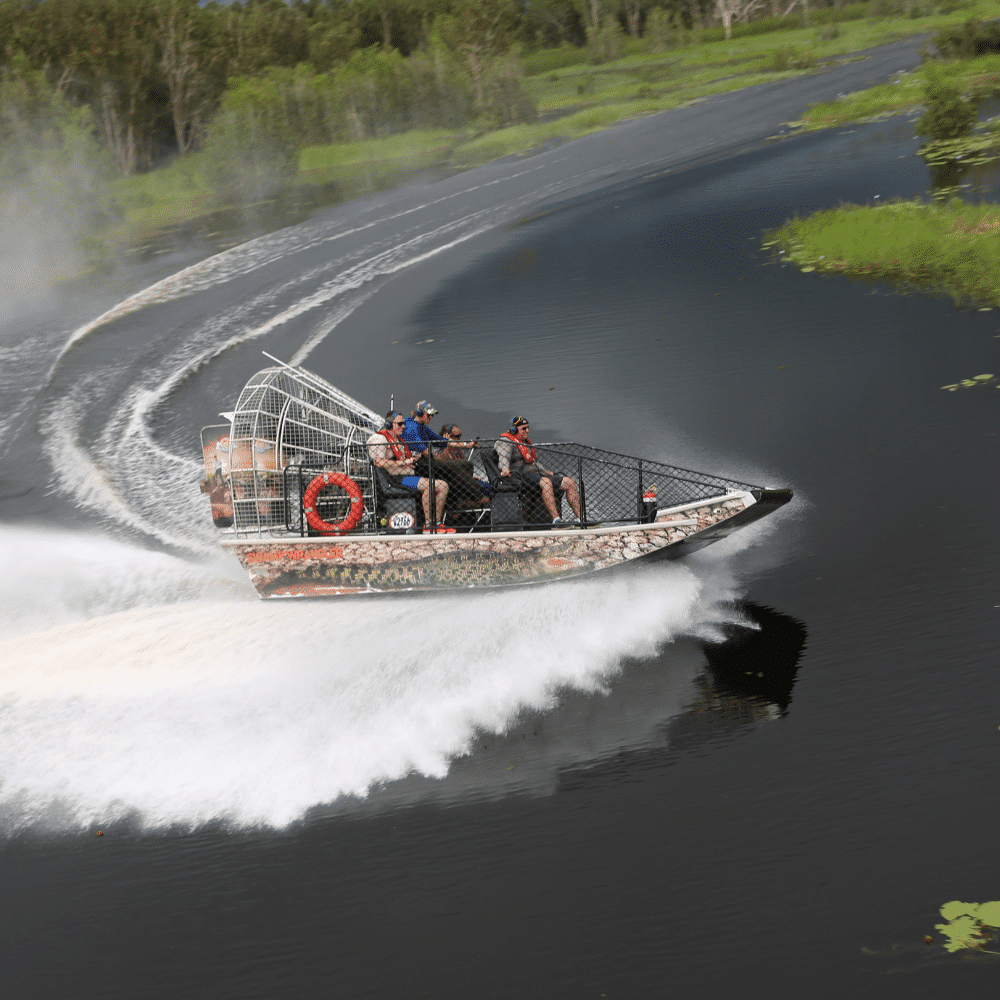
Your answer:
<point x="400" y="449"/>
<point x="528" y="454"/>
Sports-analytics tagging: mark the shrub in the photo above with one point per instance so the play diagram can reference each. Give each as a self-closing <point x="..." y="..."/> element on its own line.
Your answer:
<point x="660" y="32"/>
<point x="604" y="44"/>
<point x="505" y="101"/>
<point x="974" y="38"/>
<point x="251" y="150"/>
<point x="948" y="114"/>
<point x="788" y="57"/>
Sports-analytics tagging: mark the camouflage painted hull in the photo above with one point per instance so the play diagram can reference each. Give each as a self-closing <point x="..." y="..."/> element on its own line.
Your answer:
<point x="367" y="564"/>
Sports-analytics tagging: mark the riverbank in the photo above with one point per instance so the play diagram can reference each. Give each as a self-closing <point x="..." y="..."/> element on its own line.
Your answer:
<point x="978" y="78"/>
<point x="573" y="100"/>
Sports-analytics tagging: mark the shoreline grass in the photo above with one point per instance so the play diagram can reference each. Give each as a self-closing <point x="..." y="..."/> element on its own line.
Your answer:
<point x="980" y="78"/>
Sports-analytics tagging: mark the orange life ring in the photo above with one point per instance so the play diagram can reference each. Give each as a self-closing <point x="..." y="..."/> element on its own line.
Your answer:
<point x="350" y="487"/>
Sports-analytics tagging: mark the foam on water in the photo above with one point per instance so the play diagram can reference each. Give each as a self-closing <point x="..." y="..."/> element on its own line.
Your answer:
<point x="254" y="713"/>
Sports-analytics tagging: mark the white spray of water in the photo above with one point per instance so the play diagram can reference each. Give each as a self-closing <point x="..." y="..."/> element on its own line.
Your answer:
<point x="53" y="578"/>
<point x="255" y="713"/>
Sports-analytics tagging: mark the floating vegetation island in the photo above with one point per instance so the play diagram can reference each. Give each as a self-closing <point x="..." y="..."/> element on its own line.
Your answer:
<point x="969" y="926"/>
<point x="951" y="247"/>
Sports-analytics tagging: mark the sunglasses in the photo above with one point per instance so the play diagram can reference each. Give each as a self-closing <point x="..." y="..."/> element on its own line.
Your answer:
<point x="455" y="434"/>
<point x="399" y="423"/>
<point x="523" y="427"/>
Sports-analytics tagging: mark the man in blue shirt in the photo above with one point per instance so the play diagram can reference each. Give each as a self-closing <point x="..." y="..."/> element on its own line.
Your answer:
<point x="417" y="433"/>
<point x="467" y="492"/>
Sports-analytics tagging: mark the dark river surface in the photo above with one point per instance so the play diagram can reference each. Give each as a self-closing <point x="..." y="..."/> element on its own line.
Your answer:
<point x="566" y="792"/>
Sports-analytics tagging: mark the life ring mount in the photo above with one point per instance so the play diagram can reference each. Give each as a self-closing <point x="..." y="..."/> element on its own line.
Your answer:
<point x="350" y="487"/>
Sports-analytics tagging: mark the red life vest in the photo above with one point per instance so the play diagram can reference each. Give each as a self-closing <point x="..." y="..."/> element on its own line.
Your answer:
<point x="527" y="452"/>
<point x="400" y="449"/>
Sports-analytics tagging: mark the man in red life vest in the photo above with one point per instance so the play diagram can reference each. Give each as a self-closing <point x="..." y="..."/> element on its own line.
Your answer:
<point x="517" y="457"/>
<point x="389" y="452"/>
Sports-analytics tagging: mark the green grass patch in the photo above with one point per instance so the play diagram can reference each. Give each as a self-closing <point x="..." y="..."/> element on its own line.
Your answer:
<point x="181" y="191"/>
<point x="162" y="197"/>
<point x="416" y="148"/>
<point x="952" y="247"/>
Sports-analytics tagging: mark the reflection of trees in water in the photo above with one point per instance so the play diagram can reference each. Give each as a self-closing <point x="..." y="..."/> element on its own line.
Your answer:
<point x="946" y="178"/>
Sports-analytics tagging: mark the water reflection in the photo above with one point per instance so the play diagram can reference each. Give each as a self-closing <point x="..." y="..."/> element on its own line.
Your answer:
<point x="693" y="694"/>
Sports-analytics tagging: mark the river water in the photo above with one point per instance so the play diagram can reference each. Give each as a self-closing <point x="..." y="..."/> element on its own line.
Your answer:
<point x="580" y="791"/>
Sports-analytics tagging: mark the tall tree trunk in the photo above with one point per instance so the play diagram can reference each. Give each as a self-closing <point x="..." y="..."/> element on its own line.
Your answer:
<point x="633" y="15"/>
<point x="383" y="14"/>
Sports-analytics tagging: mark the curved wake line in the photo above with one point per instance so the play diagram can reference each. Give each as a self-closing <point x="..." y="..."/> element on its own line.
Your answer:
<point x="127" y="434"/>
<point x="245" y="258"/>
<point x="250" y="713"/>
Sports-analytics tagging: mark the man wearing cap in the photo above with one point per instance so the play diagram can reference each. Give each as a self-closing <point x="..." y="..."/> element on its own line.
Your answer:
<point x="517" y="457"/>
<point x="389" y="452"/>
<point x="417" y="432"/>
<point x="458" y="474"/>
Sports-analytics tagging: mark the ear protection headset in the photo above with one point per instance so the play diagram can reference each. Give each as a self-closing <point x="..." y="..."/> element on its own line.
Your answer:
<point x="389" y="418"/>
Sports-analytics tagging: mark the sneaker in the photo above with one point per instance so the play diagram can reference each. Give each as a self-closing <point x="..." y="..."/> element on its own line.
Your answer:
<point x="556" y="520"/>
<point x="439" y="530"/>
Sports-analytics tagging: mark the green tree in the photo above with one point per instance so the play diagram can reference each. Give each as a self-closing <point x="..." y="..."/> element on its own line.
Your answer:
<point x="480" y="32"/>
<point x="251" y="147"/>
<point x="184" y="36"/>
<point x="54" y="193"/>
<point x="948" y="114"/>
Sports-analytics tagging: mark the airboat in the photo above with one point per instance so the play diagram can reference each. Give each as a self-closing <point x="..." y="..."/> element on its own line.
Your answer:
<point x="299" y="500"/>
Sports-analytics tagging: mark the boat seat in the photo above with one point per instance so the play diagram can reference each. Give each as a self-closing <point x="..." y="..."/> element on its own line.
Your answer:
<point x="393" y="498"/>
<point x="516" y="502"/>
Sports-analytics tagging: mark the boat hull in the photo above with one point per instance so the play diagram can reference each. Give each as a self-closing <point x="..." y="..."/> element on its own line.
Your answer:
<point x="367" y="564"/>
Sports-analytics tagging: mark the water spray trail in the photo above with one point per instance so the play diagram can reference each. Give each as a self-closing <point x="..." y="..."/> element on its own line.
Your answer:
<point x="256" y="713"/>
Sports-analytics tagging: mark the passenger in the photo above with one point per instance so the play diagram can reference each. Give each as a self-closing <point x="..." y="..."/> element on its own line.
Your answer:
<point x="417" y="434"/>
<point x="456" y="452"/>
<point x="465" y="491"/>
<point x="453" y="434"/>
<point x="517" y="457"/>
<point x="389" y="452"/>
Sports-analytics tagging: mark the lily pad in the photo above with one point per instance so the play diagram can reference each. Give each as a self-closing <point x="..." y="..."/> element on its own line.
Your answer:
<point x="967" y="924"/>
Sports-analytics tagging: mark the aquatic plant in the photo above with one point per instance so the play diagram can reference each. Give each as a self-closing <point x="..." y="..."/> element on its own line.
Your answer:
<point x="969" y="383"/>
<point x="949" y="115"/>
<point x="968" y="925"/>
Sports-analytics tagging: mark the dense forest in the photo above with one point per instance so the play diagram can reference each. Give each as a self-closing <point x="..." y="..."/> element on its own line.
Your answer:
<point x="147" y="80"/>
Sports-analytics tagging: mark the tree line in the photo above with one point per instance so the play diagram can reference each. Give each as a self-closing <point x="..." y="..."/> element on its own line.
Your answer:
<point x="146" y="80"/>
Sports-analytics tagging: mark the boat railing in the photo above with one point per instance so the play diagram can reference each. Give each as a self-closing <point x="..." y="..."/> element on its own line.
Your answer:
<point x="358" y="498"/>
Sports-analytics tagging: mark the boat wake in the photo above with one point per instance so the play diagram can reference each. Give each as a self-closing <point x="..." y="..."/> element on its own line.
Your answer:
<point x="229" y="710"/>
<point x="136" y="686"/>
